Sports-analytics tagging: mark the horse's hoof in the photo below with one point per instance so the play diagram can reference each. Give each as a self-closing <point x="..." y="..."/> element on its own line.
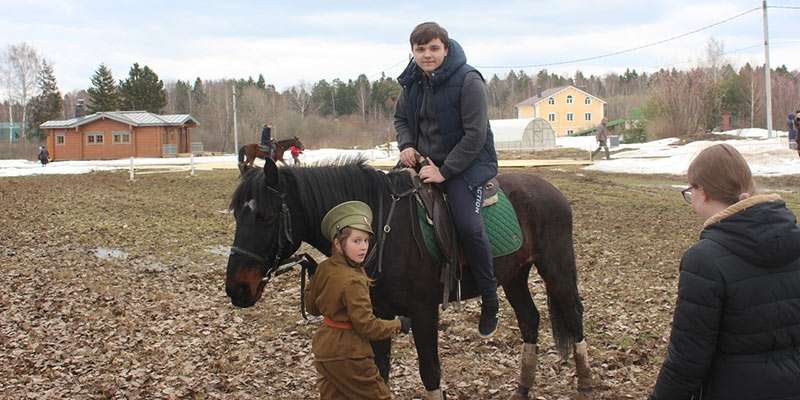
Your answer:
<point x="584" y="395"/>
<point x="520" y="394"/>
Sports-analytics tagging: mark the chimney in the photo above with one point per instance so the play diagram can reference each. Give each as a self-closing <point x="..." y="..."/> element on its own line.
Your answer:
<point x="538" y="92"/>
<point x="78" y="108"/>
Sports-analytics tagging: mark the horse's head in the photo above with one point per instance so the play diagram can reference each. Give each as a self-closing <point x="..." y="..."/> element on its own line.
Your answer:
<point x="262" y="235"/>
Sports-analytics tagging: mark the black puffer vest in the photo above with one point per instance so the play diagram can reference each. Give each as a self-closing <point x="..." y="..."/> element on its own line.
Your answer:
<point x="447" y="82"/>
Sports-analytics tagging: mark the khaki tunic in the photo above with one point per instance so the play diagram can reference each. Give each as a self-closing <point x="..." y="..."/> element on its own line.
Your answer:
<point x="344" y="357"/>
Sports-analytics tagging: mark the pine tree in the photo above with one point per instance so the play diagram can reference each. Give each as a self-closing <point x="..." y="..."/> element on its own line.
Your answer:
<point x="103" y="95"/>
<point x="48" y="104"/>
<point x="143" y="90"/>
<point x="182" y="96"/>
<point x="261" y="83"/>
<point x="198" y="92"/>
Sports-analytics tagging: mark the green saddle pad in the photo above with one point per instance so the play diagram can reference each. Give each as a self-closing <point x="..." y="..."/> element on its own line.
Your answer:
<point x="500" y="221"/>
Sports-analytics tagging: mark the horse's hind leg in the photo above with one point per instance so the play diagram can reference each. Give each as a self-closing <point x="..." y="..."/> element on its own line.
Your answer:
<point x="566" y="313"/>
<point x="519" y="295"/>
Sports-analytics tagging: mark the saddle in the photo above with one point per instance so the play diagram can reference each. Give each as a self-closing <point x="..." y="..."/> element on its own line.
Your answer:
<point x="433" y="202"/>
<point x="267" y="148"/>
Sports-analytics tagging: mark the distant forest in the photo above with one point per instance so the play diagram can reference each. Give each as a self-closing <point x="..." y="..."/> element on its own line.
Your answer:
<point x="358" y="112"/>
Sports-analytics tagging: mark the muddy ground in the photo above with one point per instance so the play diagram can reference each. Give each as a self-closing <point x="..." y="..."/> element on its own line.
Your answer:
<point x="113" y="289"/>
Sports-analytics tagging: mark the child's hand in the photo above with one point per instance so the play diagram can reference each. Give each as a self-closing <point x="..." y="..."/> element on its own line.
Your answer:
<point x="405" y="324"/>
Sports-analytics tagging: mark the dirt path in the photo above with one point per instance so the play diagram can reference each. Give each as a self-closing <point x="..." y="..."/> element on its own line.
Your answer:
<point x="146" y="316"/>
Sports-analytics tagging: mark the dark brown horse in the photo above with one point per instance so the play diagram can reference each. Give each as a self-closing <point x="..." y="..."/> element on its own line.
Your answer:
<point x="249" y="152"/>
<point x="277" y="209"/>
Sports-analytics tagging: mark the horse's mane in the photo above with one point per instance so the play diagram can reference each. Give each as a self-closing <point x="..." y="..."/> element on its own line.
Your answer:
<point x="320" y="188"/>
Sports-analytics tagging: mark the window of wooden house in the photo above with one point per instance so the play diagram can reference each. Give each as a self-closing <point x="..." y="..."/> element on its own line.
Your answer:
<point x="121" y="138"/>
<point x="60" y="139"/>
<point x="94" y="138"/>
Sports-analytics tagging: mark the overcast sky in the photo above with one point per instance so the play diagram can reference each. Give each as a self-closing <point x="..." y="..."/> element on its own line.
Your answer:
<point x="294" y="41"/>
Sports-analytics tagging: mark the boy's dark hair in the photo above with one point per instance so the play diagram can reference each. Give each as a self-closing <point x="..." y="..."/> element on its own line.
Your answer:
<point x="427" y="31"/>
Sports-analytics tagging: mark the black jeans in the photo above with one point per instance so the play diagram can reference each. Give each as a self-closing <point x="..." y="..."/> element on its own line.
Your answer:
<point x="465" y="205"/>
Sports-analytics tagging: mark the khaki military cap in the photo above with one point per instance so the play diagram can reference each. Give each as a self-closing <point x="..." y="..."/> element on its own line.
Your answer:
<point x="355" y="214"/>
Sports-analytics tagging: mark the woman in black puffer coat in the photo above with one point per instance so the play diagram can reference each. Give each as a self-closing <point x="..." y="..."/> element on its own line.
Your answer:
<point x="736" y="328"/>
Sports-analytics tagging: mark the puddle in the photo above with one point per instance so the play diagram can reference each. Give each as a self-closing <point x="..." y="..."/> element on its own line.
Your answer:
<point x="110" y="254"/>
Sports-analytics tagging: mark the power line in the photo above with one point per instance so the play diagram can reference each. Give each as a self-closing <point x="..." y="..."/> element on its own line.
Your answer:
<point x="786" y="7"/>
<point x="372" y="76"/>
<point x="616" y="53"/>
<point x="734" y="51"/>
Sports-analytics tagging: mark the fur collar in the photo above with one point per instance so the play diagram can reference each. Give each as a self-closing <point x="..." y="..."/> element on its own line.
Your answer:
<point x="740" y="206"/>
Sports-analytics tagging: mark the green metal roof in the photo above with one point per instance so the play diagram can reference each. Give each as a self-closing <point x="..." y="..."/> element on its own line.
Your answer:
<point x="610" y="124"/>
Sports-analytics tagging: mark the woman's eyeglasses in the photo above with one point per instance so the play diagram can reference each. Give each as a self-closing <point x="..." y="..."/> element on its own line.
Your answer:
<point x="687" y="194"/>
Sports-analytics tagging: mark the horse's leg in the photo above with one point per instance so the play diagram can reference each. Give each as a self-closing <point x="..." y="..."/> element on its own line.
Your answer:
<point x="383" y="357"/>
<point x="519" y="295"/>
<point x="425" y="328"/>
<point x="556" y="266"/>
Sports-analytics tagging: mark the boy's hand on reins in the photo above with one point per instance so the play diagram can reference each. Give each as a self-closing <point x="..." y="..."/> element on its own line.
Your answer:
<point x="430" y="173"/>
<point x="409" y="157"/>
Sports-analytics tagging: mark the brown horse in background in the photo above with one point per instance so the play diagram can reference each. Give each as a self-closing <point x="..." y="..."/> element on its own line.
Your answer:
<point x="249" y="152"/>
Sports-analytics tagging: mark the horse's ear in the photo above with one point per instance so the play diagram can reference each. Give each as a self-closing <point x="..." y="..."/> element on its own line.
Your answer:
<point x="271" y="174"/>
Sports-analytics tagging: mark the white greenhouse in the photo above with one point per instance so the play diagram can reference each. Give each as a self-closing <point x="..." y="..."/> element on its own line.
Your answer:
<point x="522" y="134"/>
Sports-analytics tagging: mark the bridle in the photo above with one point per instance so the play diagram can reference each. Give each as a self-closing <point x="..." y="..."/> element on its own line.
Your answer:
<point x="284" y="235"/>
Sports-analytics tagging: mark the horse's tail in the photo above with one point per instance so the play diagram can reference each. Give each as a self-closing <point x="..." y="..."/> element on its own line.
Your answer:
<point x="556" y="266"/>
<point x="241" y="154"/>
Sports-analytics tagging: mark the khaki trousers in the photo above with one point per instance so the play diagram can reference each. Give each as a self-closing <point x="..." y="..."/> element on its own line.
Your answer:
<point x="350" y="379"/>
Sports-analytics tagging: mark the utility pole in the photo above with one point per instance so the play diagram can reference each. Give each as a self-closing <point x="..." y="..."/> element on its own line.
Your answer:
<point x="752" y="101"/>
<point x="767" y="79"/>
<point x="10" y="121"/>
<point x="235" y="126"/>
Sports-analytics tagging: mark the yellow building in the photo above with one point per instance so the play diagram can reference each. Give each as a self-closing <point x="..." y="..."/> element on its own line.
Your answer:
<point x="568" y="109"/>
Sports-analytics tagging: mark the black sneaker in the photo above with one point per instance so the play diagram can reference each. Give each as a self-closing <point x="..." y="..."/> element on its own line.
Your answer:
<point x="488" y="323"/>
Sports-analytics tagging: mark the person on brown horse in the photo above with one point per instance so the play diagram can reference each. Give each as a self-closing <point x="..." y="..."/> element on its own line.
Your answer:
<point x="266" y="139"/>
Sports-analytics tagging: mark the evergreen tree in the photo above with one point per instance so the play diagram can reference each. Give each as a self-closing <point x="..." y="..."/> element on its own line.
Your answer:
<point x="322" y="95"/>
<point x="103" y="95"/>
<point x="198" y="92"/>
<point x="143" y="90"/>
<point x="48" y="104"/>
<point x="182" y="94"/>
<point x="261" y="83"/>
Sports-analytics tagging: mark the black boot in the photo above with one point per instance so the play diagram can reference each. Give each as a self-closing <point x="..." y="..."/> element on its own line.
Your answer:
<point x="488" y="323"/>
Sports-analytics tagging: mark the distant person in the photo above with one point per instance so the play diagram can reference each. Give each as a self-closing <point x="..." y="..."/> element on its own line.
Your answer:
<point x="736" y="327"/>
<point x="295" y="154"/>
<point x="797" y="129"/>
<point x="43" y="156"/>
<point x="601" y="136"/>
<point x="266" y="139"/>
<point x="791" y="127"/>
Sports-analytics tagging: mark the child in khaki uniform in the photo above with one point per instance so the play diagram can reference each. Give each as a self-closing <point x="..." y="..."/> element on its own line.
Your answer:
<point x="339" y="290"/>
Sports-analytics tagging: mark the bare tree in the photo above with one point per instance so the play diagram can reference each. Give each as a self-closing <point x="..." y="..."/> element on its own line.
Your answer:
<point x="23" y="65"/>
<point x="300" y="96"/>
<point x="363" y="92"/>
